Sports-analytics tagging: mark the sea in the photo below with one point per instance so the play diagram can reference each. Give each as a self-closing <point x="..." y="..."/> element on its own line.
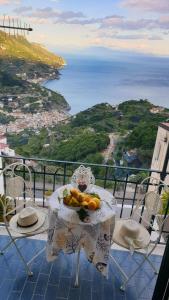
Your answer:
<point x="89" y="80"/>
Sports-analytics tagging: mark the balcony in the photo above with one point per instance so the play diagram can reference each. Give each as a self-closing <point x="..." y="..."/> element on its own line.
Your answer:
<point x="55" y="280"/>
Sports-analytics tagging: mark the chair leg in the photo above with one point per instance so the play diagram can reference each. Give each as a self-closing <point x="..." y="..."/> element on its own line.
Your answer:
<point x="151" y="264"/>
<point x="77" y="269"/>
<point x="6" y="247"/>
<point x="123" y="286"/>
<point x="128" y="278"/>
<point x="35" y="256"/>
<point x="131" y="275"/>
<point x="149" y="261"/>
<point x="28" y="270"/>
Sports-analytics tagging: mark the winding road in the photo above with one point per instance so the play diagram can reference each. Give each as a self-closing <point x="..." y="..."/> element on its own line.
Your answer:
<point x="107" y="153"/>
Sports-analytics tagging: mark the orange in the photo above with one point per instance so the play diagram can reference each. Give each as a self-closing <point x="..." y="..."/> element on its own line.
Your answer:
<point x="92" y="205"/>
<point x="74" y="192"/>
<point x="87" y="198"/>
<point x="97" y="201"/>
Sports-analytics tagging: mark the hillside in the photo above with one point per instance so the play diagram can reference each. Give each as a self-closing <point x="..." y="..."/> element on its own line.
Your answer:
<point x="87" y="134"/>
<point x="20" y="48"/>
<point x="23" y="65"/>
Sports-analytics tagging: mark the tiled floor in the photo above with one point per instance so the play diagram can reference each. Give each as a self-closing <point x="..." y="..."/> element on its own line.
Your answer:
<point x="55" y="280"/>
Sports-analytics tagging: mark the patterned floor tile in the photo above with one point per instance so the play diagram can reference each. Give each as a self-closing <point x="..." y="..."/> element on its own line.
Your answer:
<point x="55" y="280"/>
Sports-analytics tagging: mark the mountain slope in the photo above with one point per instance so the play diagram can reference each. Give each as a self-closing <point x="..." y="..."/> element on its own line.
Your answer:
<point x="87" y="134"/>
<point x="20" y="48"/>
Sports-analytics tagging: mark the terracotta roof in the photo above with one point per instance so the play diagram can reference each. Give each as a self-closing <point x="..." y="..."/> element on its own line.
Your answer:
<point x="165" y="125"/>
<point x="3" y="146"/>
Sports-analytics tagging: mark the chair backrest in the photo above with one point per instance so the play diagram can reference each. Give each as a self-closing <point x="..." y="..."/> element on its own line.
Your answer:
<point x="149" y="203"/>
<point x="18" y="188"/>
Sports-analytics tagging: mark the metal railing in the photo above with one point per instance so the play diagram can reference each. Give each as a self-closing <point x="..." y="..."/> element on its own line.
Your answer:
<point x="123" y="182"/>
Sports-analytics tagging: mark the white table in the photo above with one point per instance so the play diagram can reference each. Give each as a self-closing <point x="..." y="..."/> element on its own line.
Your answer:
<point x="66" y="231"/>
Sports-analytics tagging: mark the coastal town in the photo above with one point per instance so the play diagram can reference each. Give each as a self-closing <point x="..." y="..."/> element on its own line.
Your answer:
<point x="33" y="121"/>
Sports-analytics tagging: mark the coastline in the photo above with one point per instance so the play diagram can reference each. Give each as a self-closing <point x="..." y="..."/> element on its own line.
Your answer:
<point x="86" y="82"/>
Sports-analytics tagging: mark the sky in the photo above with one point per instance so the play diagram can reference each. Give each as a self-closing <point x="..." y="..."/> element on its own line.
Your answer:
<point x="77" y="25"/>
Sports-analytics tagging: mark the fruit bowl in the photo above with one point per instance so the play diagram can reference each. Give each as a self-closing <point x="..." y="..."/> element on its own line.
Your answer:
<point x="76" y="200"/>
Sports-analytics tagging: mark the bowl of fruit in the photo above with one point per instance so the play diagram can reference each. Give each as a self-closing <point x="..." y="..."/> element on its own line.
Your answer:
<point x="75" y="199"/>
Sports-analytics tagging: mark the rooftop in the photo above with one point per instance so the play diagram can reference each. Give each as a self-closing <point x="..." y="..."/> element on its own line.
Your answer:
<point x="165" y="125"/>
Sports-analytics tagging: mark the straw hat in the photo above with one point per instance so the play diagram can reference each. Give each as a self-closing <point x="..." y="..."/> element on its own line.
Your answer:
<point x="27" y="220"/>
<point x="129" y="230"/>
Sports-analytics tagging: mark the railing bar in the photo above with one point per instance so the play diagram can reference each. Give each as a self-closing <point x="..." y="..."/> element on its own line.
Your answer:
<point x="123" y="196"/>
<point x="54" y="181"/>
<point x="79" y="163"/>
<point x="114" y="189"/>
<point x="105" y="177"/>
<point x="24" y="176"/>
<point x="34" y="184"/>
<point x="134" y="198"/>
<point x="44" y="183"/>
<point x="64" y="174"/>
<point x="143" y="205"/>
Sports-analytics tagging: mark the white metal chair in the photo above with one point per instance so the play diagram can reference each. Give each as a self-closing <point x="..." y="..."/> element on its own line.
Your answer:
<point x="18" y="195"/>
<point x="144" y="216"/>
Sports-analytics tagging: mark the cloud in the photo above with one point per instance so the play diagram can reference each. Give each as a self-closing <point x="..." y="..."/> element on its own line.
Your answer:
<point x="22" y="9"/>
<point x="79" y="21"/>
<point x="3" y="2"/>
<point x="131" y="36"/>
<point x="50" y="13"/>
<point x="139" y="24"/>
<point x="155" y="38"/>
<point x="116" y="35"/>
<point x="159" y="6"/>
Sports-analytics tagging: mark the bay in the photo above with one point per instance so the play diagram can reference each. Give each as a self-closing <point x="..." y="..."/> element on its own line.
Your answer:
<point x="86" y="81"/>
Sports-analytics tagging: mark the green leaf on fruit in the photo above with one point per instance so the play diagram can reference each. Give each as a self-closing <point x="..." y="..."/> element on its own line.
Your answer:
<point x="94" y="195"/>
<point x="65" y="193"/>
<point x="82" y="214"/>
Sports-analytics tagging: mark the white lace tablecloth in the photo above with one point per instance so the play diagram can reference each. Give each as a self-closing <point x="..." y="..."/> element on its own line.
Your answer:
<point x="66" y="231"/>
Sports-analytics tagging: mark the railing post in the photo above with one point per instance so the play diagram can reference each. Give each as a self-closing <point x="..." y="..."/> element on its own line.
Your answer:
<point x="124" y="195"/>
<point x="105" y="177"/>
<point x="64" y="174"/>
<point x="164" y="170"/>
<point x="2" y="182"/>
<point x="24" y="177"/>
<point x="44" y="183"/>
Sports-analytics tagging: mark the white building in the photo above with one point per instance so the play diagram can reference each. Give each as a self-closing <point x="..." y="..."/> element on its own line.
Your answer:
<point x="4" y="149"/>
<point x="160" y="160"/>
<point x="3" y="139"/>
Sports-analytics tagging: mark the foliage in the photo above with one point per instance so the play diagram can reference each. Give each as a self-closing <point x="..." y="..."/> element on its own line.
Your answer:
<point x="139" y="177"/>
<point x="5" y="119"/>
<point x="19" y="47"/>
<point x="95" y="158"/>
<point x="8" y="80"/>
<point x="78" y="147"/>
<point x="141" y="129"/>
<point x="5" y="202"/>
<point x="101" y="117"/>
<point x="165" y="202"/>
<point x="86" y="135"/>
<point x="134" y="106"/>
